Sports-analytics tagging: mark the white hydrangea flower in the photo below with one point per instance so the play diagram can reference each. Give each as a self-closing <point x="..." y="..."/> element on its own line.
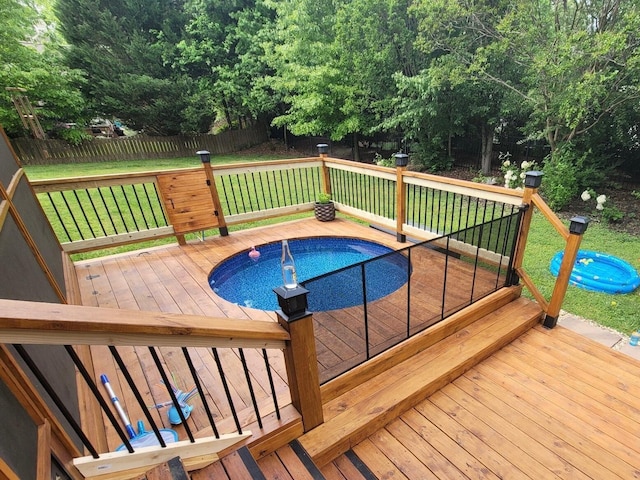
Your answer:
<point x="585" y="196"/>
<point x="506" y="163"/>
<point x="524" y="165"/>
<point x="601" y="199"/>
<point x="523" y="175"/>
<point x="599" y="206"/>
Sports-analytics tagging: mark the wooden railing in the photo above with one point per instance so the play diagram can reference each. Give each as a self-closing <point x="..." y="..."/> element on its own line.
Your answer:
<point x="408" y="203"/>
<point x="54" y="324"/>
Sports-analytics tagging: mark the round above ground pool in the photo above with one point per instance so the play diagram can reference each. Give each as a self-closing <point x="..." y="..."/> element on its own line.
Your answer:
<point x="249" y="281"/>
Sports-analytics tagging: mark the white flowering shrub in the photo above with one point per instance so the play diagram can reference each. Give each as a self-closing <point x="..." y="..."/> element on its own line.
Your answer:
<point x="513" y="173"/>
<point x="609" y="213"/>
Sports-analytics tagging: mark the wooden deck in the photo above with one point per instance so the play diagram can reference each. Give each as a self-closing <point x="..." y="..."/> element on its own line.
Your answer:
<point x="551" y="404"/>
<point x="174" y="279"/>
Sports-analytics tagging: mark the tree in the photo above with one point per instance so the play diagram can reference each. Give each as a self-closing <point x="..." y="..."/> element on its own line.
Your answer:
<point x="30" y="57"/>
<point x="335" y="61"/>
<point x="224" y="48"/>
<point x="127" y="49"/>
<point x="575" y="63"/>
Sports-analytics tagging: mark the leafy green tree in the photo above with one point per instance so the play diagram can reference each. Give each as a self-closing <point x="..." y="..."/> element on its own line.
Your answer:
<point x="335" y="62"/>
<point x="452" y="34"/>
<point x="31" y="60"/>
<point x="572" y="64"/>
<point x="223" y="48"/>
<point x="127" y="49"/>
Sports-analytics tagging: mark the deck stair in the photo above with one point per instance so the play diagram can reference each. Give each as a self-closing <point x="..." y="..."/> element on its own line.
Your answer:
<point x="355" y="413"/>
<point x="290" y="462"/>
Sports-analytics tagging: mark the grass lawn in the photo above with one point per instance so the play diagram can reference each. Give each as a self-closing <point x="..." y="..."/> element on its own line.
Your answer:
<point x="619" y="312"/>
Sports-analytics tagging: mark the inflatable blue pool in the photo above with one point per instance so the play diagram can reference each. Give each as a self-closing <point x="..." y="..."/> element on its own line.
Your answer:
<point x="599" y="272"/>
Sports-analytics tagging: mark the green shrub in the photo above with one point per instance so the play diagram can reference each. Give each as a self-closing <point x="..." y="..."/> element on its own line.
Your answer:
<point x="560" y="184"/>
<point x="74" y="135"/>
<point x="612" y="214"/>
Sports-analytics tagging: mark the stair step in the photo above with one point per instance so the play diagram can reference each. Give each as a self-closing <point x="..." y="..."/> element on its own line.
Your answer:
<point x="357" y="413"/>
<point x="238" y="465"/>
<point x="170" y="470"/>
<point x="348" y="466"/>
<point x="291" y="461"/>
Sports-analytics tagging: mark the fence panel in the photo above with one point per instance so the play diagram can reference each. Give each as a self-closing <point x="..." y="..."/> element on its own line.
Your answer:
<point x="43" y="152"/>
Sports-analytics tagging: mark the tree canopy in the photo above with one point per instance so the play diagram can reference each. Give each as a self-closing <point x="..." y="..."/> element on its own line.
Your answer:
<point x="436" y="73"/>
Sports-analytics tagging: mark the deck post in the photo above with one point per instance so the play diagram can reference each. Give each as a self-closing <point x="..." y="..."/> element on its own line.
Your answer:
<point x="402" y="160"/>
<point x="531" y="184"/>
<point x="576" y="229"/>
<point x="300" y="355"/>
<point x="205" y="158"/>
<point x="323" y="149"/>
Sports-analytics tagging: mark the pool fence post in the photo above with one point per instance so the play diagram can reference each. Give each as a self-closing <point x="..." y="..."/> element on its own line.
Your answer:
<point x="205" y="158"/>
<point x="577" y="227"/>
<point x="402" y="160"/>
<point x="300" y="355"/>
<point x="532" y="182"/>
<point x="323" y="150"/>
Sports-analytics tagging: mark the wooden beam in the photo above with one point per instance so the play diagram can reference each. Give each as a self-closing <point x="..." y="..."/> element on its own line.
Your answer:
<point x="50" y="323"/>
<point x="562" y="282"/>
<point x="401" y="209"/>
<point x="43" y="466"/>
<point x="202" y="452"/>
<point x="301" y="360"/>
<point x="464" y="187"/>
<point x="116" y="240"/>
<point x="553" y="219"/>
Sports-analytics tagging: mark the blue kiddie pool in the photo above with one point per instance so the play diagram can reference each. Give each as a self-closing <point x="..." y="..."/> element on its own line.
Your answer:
<point x="599" y="272"/>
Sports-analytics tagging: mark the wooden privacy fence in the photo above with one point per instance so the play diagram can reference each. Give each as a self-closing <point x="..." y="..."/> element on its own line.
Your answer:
<point x="42" y="152"/>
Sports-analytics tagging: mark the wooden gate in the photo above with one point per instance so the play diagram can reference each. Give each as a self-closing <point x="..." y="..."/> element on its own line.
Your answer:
<point x="190" y="202"/>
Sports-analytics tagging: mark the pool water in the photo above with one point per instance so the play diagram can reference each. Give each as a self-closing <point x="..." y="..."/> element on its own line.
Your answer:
<point x="250" y="283"/>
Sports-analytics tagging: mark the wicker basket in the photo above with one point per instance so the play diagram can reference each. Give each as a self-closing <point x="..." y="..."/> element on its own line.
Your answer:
<point x="325" y="212"/>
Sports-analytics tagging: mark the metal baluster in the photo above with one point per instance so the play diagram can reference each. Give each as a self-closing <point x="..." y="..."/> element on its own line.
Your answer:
<point x="59" y="403"/>
<point x="196" y="380"/>
<point x="271" y="384"/>
<point x="247" y="375"/>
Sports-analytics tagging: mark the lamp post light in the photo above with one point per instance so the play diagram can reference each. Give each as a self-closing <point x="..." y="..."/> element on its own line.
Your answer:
<point x="402" y="159"/>
<point x="205" y="156"/>
<point x="293" y="302"/>
<point x="533" y="179"/>
<point x="323" y="148"/>
<point x="578" y="225"/>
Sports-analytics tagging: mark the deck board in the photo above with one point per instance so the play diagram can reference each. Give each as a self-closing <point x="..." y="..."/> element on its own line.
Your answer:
<point x="551" y="404"/>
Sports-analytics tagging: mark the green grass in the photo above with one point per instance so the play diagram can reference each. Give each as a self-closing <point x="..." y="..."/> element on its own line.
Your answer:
<point x="619" y="312"/>
<point x="39" y="172"/>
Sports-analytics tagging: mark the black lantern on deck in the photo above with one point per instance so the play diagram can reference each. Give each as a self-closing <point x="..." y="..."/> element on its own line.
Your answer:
<point x="205" y="156"/>
<point x="323" y="148"/>
<point x="578" y="225"/>
<point x="402" y="159"/>
<point x="533" y="179"/>
<point x="292" y="302"/>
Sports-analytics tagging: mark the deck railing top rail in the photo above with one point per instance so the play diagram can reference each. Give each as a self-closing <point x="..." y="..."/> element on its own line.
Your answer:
<point x="60" y="324"/>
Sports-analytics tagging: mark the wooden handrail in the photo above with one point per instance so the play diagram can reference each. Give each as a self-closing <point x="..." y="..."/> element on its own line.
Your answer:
<point x="553" y="219"/>
<point x="59" y="324"/>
